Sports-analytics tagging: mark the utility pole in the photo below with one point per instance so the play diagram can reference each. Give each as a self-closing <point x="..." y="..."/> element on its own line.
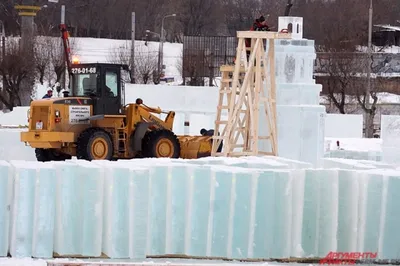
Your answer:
<point x="161" y="46"/>
<point x="27" y="11"/>
<point x="3" y="48"/>
<point x="368" y="90"/>
<point x="133" y="48"/>
<point x="3" y="56"/>
<point x="63" y="84"/>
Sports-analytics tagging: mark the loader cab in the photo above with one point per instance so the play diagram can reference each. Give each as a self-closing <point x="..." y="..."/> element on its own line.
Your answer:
<point x="102" y="83"/>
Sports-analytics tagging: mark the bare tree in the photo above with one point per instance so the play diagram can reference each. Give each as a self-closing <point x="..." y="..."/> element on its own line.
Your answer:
<point x="42" y="54"/>
<point x="145" y="62"/>
<point x="15" y="69"/>
<point x="199" y="17"/>
<point x="179" y="64"/>
<point x="96" y="18"/>
<point x="361" y="93"/>
<point x="288" y="7"/>
<point x="339" y="72"/>
<point x="194" y="67"/>
<point x="241" y="14"/>
<point x="339" y="24"/>
<point x="57" y="58"/>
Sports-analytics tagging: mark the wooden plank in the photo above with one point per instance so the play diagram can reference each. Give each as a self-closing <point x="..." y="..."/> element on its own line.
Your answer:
<point x="27" y="7"/>
<point x="229" y="68"/>
<point x="263" y="35"/>
<point x="271" y="54"/>
<point x="27" y="14"/>
<point x="244" y="153"/>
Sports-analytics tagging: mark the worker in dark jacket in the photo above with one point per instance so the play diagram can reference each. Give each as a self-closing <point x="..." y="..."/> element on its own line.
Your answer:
<point x="259" y="24"/>
<point x="49" y="94"/>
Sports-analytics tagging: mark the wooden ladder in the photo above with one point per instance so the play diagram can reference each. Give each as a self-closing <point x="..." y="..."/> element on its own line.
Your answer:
<point x="246" y="88"/>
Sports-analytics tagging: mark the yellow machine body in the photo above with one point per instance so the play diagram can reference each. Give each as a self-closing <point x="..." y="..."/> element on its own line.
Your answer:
<point x="56" y="125"/>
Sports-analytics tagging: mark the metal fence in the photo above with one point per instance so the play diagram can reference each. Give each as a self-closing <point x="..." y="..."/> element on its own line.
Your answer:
<point x="203" y="55"/>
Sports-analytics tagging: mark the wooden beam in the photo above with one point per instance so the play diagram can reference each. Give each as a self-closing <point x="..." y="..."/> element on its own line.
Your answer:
<point x="263" y="35"/>
<point x="229" y="68"/>
<point x="27" y="14"/>
<point x="22" y="7"/>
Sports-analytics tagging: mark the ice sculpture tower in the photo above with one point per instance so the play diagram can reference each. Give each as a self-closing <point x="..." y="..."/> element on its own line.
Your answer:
<point x="300" y="118"/>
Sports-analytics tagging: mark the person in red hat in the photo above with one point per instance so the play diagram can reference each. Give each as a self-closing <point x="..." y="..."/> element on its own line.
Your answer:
<point x="259" y="24"/>
<point x="49" y="94"/>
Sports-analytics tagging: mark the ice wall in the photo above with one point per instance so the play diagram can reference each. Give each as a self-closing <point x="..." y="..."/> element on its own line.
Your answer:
<point x="193" y="104"/>
<point x="354" y="148"/>
<point x="390" y="135"/>
<point x="11" y="146"/>
<point x="300" y="118"/>
<point x="253" y="207"/>
<point x="343" y="126"/>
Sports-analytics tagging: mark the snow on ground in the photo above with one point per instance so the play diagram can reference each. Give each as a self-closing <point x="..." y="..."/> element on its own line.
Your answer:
<point x="22" y="262"/>
<point x="149" y="262"/>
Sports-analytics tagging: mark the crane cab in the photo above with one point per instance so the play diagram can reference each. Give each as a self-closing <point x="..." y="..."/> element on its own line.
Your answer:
<point x="102" y="83"/>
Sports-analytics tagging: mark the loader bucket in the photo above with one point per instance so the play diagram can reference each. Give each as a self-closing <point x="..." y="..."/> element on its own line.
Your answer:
<point x="193" y="147"/>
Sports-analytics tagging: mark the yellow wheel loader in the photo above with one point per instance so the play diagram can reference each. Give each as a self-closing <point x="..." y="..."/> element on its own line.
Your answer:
<point x="93" y="123"/>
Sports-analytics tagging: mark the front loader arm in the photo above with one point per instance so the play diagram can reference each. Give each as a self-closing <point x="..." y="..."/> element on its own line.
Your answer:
<point x="147" y="114"/>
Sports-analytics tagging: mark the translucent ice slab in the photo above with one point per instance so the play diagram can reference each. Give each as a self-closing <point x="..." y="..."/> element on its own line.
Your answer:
<point x="6" y="192"/>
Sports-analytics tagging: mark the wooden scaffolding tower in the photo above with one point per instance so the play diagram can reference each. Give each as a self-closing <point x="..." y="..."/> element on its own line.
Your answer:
<point x="246" y="111"/>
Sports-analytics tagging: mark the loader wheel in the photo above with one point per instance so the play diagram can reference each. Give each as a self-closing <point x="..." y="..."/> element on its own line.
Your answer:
<point x="94" y="144"/>
<point x="47" y="155"/>
<point x="160" y="143"/>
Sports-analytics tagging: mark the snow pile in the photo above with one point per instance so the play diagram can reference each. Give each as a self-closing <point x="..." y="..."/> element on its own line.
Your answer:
<point x="17" y="118"/>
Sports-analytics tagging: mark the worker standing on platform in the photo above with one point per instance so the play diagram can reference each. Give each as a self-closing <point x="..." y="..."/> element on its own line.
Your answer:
<point x="260" y="24"/>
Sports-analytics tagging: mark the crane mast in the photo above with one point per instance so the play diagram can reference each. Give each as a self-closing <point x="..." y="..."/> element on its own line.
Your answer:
<point x="65" y="38"/>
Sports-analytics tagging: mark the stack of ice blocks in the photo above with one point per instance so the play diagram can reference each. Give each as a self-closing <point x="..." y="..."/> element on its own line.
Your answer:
<point x="253" y="207"/>
<point x="300" y="118"/>
<point x="390" y="134"/>
<point x="356" y="155"/>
